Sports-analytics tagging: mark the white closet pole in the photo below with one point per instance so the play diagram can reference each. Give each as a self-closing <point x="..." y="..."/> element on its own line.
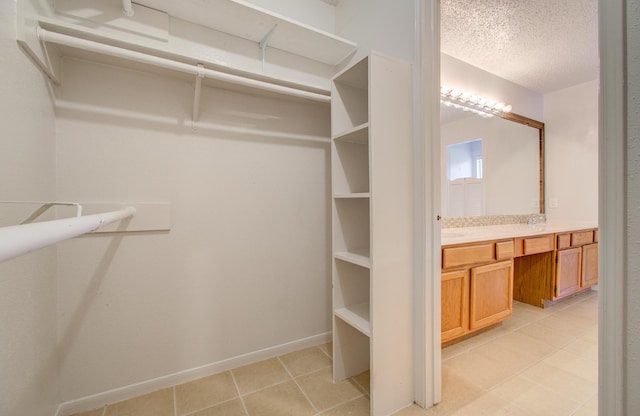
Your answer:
<point x="66" y="40"/>
<point x="16" y="240"/>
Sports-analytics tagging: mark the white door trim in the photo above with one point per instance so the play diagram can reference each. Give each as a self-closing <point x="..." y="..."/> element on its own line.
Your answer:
<point x="426" y="78"/>
<point x="612" y="209"/>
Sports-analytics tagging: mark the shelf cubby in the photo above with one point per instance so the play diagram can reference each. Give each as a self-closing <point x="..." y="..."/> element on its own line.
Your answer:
<point x="351" y="226"/>
<point x="351" y="164"/>
<point x="349" y="98"/>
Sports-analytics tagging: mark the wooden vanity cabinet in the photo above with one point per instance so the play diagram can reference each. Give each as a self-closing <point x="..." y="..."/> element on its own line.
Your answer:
<point x="455" y="304"/>
<point x="476" y="287"/>
<point x="491" y="294"/>
<point x="568" y="268"/>
<point x="589" y="275"/>
<point x="576" y="262"/>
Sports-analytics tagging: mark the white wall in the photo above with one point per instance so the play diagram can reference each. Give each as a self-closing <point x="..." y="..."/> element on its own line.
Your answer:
<point x="28" y="363"/>
<point x="386" y="26"/>
<point x="571" y="142"/>
<point x="246" y="263"/>
<point x="458" y="74"/>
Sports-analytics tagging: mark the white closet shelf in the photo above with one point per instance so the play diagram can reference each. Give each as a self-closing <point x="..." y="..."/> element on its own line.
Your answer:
<point x="355" y="195"/>
<point x="358" y="257"/>
<point x="358" y="134"/>
<point x="357" y="316"/>
<point x="250" y="22"/>
<point x="90" y="44"/>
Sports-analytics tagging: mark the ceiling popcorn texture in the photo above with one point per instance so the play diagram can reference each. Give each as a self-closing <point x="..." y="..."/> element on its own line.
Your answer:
<point x="543" y="45"/>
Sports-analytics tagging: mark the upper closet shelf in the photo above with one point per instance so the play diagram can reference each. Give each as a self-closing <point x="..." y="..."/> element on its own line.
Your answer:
<point x="253" y="23"/>
<point x="95" y="30"/>
<point x="157" y="59"/>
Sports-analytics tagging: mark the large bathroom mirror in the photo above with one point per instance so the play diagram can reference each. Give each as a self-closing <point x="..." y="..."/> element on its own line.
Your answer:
<point x="490" y="165"/>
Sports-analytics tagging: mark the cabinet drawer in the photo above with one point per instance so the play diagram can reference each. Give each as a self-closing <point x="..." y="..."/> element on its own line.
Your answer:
<point x="564" y="241"/>
<point x="458" y="256"/>
<point x="534" y="245"/>
<point x="505" y="250"/>
<point x="581" y="238"/>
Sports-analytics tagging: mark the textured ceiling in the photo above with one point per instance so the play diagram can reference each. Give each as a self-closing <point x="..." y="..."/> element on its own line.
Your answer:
<point x="543" y="45"/>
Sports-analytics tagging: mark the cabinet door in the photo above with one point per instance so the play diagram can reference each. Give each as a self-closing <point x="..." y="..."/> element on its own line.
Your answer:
<point x="589" y="265"/>
<point x="568" y="265"/>
<point x="455" y="304"/>
<point x="491" y="297"/>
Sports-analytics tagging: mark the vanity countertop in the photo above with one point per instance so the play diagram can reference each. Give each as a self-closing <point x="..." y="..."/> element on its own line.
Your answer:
<point x="451" y="236"/>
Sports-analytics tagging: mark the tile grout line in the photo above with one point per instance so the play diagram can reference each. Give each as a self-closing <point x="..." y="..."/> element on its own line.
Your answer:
<point x="338" y="405"/>
<point x="360" y="386"/>
<point x="175" y="401"/>
<point x="210" y="407"/>
<point x="364" y="391"/>
<point x="324" y="352"/>
<point x="315" y="411"/>
<point x="265" y="387"/>
<point x="585" y="403"/>
<point x="235" y="383"/>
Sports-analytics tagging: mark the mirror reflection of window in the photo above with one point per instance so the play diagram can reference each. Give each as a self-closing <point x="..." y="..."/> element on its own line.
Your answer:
<point x="479" y="167"/>
<point x="508" y="164"/>
<point x="464" y="179"/>
<point x="464" y="160"/>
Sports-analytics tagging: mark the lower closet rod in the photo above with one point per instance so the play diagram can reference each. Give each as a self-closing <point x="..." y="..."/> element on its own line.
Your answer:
<point x="88" y="45"/>
<point x="16" y="240"/>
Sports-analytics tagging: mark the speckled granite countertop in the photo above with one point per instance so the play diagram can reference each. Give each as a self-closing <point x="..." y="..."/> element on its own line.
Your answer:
<point x="450" y="236"/>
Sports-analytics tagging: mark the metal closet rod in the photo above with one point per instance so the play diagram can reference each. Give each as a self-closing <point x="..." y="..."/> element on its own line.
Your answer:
<point x="16" y="240"/>
<point x="66" y="40"/>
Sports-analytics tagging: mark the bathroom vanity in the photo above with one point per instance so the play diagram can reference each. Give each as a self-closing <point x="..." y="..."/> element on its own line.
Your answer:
<point x="485" y="268"/>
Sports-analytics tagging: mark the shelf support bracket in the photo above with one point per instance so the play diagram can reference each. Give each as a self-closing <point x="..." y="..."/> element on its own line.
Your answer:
<point x="28" y="39"/>
<point x="263" y="45"/>
<point x="197" y="92"/>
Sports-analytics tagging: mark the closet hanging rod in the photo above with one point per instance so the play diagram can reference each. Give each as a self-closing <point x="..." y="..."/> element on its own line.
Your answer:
<point x="16" y="240"/>
<point x="45" y="35"/>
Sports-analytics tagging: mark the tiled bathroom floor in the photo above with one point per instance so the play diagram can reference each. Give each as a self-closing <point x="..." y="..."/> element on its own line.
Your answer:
<point x="538" y="362"/>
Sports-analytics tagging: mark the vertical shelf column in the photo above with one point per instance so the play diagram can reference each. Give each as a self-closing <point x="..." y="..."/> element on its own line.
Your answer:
<point x="371" y="159"/>
<point x="351" y="222"/>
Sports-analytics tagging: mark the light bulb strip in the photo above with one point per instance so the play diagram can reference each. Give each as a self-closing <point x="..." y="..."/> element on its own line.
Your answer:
<point x="465" y="100"/>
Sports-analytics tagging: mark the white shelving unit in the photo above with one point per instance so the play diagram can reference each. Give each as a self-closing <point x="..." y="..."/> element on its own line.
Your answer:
<point x="371" y="153"/>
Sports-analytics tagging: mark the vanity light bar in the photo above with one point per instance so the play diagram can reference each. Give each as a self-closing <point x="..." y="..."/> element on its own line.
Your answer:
<point x="470" y="102"/>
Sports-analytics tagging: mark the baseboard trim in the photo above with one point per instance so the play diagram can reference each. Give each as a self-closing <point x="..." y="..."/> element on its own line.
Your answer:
<point x="127" y="392"/>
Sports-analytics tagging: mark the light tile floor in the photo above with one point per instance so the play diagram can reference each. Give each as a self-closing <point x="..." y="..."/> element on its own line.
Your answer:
<point x="295" y="384"/>
<point x="538" y="362"/>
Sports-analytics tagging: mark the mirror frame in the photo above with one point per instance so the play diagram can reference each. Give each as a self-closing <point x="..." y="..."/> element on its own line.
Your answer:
<point x="517" y="118"/>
